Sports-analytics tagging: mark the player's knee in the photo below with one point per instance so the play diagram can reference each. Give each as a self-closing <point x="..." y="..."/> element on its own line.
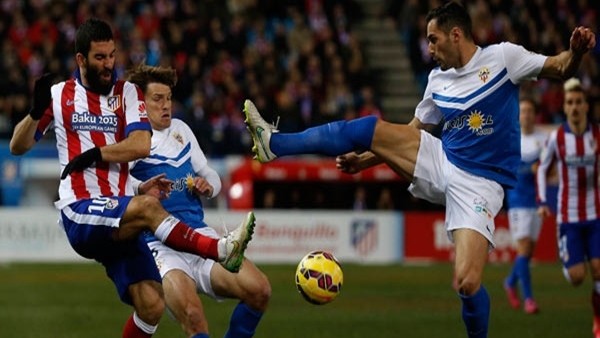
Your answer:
<point x="150" y="306"/>
<point x="575" y="274"/>
<point x="576" y="279"/>
<point x="468" y="285"/>
<point x="145" y="205"/>
<point x="258" y="293"/>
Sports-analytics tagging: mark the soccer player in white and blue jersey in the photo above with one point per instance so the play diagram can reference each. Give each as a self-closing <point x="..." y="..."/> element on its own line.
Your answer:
<point x="476" y="92"/>
<point x="524" y="221"/>
<point x="175" y="153"/>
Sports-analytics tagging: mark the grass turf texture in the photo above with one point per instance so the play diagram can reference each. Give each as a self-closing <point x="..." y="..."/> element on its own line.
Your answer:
<point x="77" y="300"/>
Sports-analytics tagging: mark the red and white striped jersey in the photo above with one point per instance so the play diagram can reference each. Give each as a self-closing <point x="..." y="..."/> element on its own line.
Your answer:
<point x="81" y="120"/>
<point x="576" y="157"/>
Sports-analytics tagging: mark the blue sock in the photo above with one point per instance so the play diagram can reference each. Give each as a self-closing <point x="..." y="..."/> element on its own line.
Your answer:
<point x="476" y="313"/>
<point x="513" y="278"/>
<point x="522" y="270"/>
<point x="201" y="335"/>
<point x="243" y="322"/>
<point x="335" y="138"/>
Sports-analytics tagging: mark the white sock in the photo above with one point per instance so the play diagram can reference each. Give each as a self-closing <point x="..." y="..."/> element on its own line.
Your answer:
<point x="165" y="228"/>
<point x="222" y="249"/>
<point x="149" y="329"/>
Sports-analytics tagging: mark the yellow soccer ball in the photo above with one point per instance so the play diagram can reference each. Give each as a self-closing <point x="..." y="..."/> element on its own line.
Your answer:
<point x="319" y="277"/>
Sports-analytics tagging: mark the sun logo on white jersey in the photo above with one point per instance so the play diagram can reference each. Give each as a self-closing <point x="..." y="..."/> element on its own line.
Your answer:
<point x="189" y="182"/>
<point x="475" y="121"/>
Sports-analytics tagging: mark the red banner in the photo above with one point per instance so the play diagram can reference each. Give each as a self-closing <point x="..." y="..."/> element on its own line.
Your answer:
<point x="426" y="239"/>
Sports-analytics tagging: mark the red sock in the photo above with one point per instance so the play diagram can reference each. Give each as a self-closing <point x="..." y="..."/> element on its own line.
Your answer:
<point x="184" y="238"/>
<point x="133" y="331"/>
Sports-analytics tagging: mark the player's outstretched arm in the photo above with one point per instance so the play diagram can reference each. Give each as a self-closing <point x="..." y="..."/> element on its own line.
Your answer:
<point x="23" y="135"/>
<point x="564" y="65"/>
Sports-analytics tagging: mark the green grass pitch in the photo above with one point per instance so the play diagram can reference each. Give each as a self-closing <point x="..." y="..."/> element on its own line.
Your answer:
<point x="400" y="301"/>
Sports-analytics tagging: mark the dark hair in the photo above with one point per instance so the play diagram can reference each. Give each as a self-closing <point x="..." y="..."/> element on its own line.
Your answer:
<point x="91" y="30"/>
<point x="449" y="15"/>
<point x="143" y="74"/>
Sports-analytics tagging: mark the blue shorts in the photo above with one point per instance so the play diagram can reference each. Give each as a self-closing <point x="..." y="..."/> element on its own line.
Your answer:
<point x="90" y="224"/>
<point x="578" y="242"/>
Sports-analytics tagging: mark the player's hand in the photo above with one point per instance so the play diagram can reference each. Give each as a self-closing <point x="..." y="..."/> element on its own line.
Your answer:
<point x="158" y="186"/>
<point x="82" y="161"/>
<point x="41" y="96"/>
<point x="543" y="211"/>
<point x="201" y="187"/>
<point x="582" y="40"/>
<point x="348" y="163"/>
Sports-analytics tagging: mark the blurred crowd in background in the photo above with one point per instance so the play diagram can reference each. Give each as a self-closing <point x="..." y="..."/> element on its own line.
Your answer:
<point x="300" y="60"/>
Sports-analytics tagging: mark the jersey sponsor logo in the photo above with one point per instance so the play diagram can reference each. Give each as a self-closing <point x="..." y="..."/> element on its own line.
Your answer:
<point x="183" y="183"/>
<point x="484" y="74"/>
<point x="114" y="102"/>
<point x="86" y="121"/>
<point x="580" y="161"/>
<point x="477" y="122"/>
<point x="142" y="109"/>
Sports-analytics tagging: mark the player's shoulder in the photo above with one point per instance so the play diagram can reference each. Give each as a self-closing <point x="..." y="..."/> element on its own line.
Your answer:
<point x="178" y="123"/>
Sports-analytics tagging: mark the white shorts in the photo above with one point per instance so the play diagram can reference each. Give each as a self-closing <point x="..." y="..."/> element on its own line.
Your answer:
<point x="472" y="202"/>
<point x="524" y="222"/>
<point x="195" y="267"/>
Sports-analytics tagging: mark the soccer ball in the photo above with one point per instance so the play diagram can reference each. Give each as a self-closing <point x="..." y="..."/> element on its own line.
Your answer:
<point x="319" y="277"/>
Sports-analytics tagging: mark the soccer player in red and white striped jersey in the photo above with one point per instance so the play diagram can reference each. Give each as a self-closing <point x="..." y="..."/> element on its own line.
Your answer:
<point x="100" y="125"/>
<point x="574" y="149"/>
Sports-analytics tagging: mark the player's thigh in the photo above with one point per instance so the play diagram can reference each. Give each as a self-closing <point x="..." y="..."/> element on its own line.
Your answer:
<point x="180" y="293"/>
<point x="471" y="251"/>
<point x="143" y="212"/>
<point x="571" y="245"/>
<point x="397" y="145"/>
<point x="248" y="282"/>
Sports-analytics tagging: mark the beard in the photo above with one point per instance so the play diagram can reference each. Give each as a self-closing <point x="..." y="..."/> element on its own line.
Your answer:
<point x="95" y="81"/>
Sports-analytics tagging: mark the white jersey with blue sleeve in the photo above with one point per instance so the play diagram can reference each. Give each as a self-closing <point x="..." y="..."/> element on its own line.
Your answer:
<point x="176" y="152"/>
<point x="523" y="195"/>
<point x="479" y="104"/>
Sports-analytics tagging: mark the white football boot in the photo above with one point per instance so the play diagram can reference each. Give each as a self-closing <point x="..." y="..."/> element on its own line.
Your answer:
<point x="260" y="131"/>
<point x="233" y="244"/>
